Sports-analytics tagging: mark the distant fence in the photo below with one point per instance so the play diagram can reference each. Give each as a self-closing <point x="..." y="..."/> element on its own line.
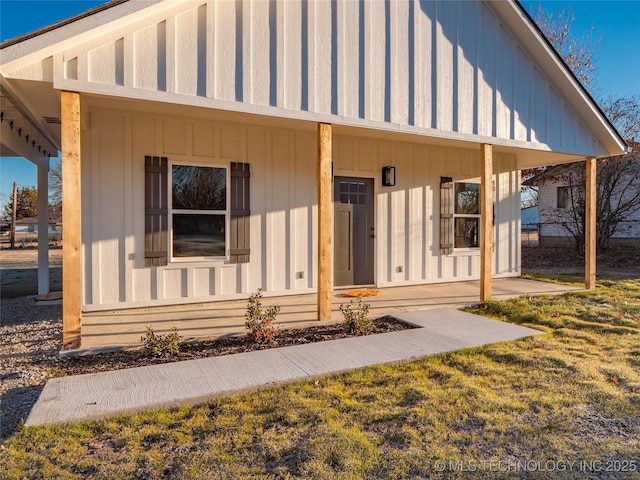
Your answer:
<point x="534" y="235"/>
<point x="23" y="238"/>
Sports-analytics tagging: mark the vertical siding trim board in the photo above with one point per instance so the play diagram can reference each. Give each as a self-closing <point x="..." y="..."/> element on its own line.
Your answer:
<point x="240" y="213"/>
<point x="156" y="212"/>
<point x="446" y="215"/>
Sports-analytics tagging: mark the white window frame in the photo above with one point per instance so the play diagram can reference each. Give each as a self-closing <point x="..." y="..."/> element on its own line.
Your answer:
<point x="226" y="213"/>
<point x="475" y="181"/>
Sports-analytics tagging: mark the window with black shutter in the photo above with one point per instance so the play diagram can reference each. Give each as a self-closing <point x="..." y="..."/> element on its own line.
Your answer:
<point x="194" y="217"/>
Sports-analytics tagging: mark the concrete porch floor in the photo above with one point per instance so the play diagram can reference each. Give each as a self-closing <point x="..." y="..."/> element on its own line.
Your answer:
<point x="117" y="328"/>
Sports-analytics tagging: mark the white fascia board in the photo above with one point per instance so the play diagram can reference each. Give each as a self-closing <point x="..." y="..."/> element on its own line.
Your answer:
<point x="571" y="90"/>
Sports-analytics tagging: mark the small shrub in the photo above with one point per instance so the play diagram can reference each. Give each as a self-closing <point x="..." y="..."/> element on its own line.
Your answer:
<point x="161" y="345"/>
<point x="259" y="322"/>
<point x="356" y="317"/>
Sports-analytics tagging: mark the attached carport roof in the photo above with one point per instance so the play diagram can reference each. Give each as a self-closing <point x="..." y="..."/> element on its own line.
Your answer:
<point x="23" y="134"/>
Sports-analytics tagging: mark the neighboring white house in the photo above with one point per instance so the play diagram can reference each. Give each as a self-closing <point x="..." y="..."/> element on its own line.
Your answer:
<point x="556" y="202"/>
<point x="192" y="142"/>
<point x="30" y="225"/>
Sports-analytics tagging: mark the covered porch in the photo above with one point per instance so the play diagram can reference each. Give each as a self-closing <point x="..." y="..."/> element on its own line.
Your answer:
<point x="209" y="320"/>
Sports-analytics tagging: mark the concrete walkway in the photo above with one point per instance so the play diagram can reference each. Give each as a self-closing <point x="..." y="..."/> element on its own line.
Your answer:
<point x="92" y="396"/>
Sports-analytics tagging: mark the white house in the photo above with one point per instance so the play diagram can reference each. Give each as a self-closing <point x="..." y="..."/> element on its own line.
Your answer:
<point x="214" y="147"/>
<point x="560" y="195"/>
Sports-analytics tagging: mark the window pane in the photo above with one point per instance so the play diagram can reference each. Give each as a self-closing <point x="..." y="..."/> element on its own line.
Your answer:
<point x="467" y="198"/>
<point x="466" y="232"/>
<point x="563" y="196"/>
<point x="198" y="235"/>
<point x="199" y="188"/>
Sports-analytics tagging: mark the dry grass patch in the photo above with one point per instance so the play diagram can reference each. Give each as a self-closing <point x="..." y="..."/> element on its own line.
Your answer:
<point x="571" y="394"/>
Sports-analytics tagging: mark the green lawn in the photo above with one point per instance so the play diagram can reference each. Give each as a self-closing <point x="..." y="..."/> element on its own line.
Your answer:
<point x="564" y="404"/>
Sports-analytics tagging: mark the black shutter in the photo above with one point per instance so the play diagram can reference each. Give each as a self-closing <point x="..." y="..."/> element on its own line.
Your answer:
<point x="446" y="215"/>
<point x="240" y="213"/>
<point x="156" y="216"/>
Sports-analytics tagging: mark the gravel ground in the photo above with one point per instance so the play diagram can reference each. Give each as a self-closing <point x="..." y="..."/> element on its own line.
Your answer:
<point x="30" y="339"/>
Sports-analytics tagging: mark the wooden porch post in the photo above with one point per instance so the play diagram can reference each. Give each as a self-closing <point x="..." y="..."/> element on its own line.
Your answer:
<point x="71" y="241"/>
<point x="486" y="220"/>
<point x="324" y="222"/>
<point x="591" y="193"/>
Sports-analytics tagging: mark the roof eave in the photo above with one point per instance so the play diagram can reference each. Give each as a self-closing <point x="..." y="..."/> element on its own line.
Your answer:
<point x="54" y="26"/>
<point x="43" y="41"/>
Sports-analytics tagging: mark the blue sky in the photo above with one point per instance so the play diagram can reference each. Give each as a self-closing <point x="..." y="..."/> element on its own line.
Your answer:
<point x="617" y="22"/>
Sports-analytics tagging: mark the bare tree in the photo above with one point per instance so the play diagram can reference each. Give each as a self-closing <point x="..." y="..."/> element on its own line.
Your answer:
<point x="55" y="188"/>
<point x="529" y="196"/>
<point x="577" y="51"/>
<point x="618" y="198"/>
<point x="625" y="114"/>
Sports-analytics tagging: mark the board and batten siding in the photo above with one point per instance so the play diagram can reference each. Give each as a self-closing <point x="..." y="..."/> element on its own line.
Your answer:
<point x="283" y="210"/>
<point x="283" y="220"/>
<point x="408" y="216"/>
<point x="441" y="68"/>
